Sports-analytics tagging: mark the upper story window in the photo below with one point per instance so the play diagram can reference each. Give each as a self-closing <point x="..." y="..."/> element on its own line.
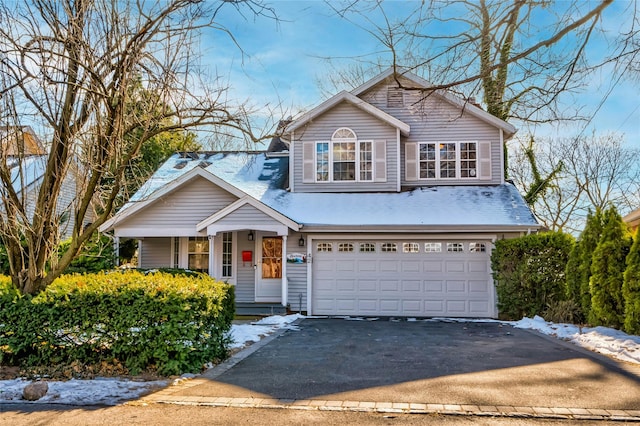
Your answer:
<point x="344" y="158"/>
<point x="447" y="160"/>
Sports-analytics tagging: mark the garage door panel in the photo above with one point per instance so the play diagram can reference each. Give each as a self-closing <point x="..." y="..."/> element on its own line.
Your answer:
<point x="433" y="286"/>
<point x="367" y="285"/>
<point x="432" y="266"/>
<point x="368" y="305"/>
<point x="412" y="286"/>
<point x="389" y="266"/>
<point x="424" y="283"/>
<point x="345" y="265"/>
<point x="324" y="285"/>
<point x="456" y="306"/>
<point x="345" y="305"/>
<point x="476" y="286"/>
<point x="391" y="306"/>
<point x="389" y="285"/>
<point x="453" y="266"/>
<point x="456" y="287"/>
<point x="346" y="285"/>
<point x="477" y="266"/>
<point x="478" y="307"/>
<point x="367" y="266"/>
<point x="435" y="306"/>
<point x="412" y="307"/>
<point x="411" y="266"/>
<point x="326" y="265"/>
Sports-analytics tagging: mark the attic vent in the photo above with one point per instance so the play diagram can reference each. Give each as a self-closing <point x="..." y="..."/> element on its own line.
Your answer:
<point x="180" y="165"/>
<point x="204" y="164"/>
<point x="395" y="97"/>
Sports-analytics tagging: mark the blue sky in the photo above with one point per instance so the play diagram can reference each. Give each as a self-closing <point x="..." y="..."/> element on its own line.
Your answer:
<point x="282" y="61"/>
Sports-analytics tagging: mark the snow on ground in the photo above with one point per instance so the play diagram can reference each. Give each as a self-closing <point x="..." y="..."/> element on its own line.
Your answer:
<point x="607" y="341"/>
<point x="107" y="391"/>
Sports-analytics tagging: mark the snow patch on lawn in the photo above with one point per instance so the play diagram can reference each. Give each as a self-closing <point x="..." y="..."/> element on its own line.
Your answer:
<point x="607" y="341"/>
<point x="241" y="334"/>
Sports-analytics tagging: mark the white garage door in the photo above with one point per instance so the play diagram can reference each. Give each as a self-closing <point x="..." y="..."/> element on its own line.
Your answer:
<point x="402" y="278"/>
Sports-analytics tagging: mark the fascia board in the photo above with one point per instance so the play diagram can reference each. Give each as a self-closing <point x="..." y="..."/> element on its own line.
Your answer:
<point x="354" y="100"/>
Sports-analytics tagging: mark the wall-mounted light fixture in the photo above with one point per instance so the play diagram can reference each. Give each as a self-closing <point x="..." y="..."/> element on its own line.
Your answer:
<point x="301" y="241"/>
<point x="250" y="236"/>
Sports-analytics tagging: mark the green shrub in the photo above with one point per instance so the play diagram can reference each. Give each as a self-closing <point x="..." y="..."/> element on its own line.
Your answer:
<point x="530" y="273"/>
<point x="631" y="289"/>
<point x="171" y="324"/>
<point x="607" y="272"/>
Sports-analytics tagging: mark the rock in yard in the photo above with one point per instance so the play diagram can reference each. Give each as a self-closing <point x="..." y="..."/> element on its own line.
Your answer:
<point x="35" y="391"/>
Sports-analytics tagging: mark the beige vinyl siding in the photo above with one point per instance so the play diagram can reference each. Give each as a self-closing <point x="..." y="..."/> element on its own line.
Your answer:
<point x="155" y="253"/>
<point x="436" y="120"/>
<point x="246" y="216"/>
<point x="297" y="275"/>
<point x="182" y="208"/>
<point x="366" y="127"/>
<point x="245" y="287"/>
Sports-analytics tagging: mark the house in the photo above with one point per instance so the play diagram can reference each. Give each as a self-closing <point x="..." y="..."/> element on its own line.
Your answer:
<point x="26" y="159"/>
<point x="633" y="220"/>
<point x="382" y="201"/>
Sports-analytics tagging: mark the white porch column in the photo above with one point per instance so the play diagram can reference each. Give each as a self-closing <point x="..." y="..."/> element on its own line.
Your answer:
<point x="140" y="253"/>
<point x="116" y="250"/>
<point x="284" y="271"/>
<point x="212" y="263"/>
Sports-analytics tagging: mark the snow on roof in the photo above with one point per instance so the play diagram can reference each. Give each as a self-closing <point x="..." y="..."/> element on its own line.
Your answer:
<point x="263" y="178"/>
<point x="441" y="205"/>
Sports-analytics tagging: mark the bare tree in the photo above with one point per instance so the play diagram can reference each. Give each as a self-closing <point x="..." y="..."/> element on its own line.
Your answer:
<point x="67" y="69"/>
<point x="597" y="171"/>
<point x="518" y="56"/>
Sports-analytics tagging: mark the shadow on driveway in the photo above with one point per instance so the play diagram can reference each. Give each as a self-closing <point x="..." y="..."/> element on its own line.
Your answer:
<point x="428" y="362"/>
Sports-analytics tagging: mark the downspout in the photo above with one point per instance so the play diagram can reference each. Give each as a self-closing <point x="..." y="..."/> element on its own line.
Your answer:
<point x="502" y="157"/>
<point x="398" y="162"/>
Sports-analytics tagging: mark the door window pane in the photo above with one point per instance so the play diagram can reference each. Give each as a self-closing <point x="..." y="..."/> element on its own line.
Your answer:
<point x="272" y="257"/>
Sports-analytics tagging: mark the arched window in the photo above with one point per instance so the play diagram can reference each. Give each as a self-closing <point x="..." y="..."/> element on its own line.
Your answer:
<point x="345" y="158"/>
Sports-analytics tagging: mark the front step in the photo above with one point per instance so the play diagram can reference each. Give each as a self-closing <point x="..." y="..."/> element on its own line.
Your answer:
<point x="260" y="309"/>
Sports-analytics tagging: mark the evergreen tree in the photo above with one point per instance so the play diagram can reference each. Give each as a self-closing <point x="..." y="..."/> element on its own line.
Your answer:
<point x="607" y="272"/>
<point x="578" y="270"/>
<point x="631" y="289"/>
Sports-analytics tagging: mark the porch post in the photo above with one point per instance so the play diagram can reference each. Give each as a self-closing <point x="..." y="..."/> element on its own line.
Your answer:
<point x="116" y="250"/>
<point x="212" y="262"/>
<point x="284" y="271"/>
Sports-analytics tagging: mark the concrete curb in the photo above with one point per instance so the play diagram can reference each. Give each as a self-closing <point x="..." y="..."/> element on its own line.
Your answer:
<point x="559" y="413"/>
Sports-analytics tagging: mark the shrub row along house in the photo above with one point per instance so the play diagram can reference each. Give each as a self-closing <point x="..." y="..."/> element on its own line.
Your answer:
<point x="385" y="200"/>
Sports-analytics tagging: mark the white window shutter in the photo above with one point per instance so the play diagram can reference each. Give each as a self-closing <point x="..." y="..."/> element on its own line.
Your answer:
<point x="484" y="160"/>
<point x="380" y="161"/>
<point x="411" y="161"/>
<point x="308" y="162"/>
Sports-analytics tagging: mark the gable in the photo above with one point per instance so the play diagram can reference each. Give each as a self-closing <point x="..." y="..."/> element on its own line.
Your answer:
<point x="178" y="212"/>
<point x="377" y="90"/>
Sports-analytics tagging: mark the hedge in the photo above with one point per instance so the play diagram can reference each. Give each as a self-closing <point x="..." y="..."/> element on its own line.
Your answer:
<point x="155" y="321"/>
<point x="530" y="273"/>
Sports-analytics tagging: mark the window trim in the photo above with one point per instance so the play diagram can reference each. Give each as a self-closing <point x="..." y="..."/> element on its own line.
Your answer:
<point x="358" y="161"/>
<point x="438" y="160"/>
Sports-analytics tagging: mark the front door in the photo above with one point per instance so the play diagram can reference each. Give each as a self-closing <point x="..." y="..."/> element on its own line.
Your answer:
<point x="269" y="270"/>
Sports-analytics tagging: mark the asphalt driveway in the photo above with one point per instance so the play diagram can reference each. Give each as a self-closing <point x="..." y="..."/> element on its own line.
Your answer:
<point x="427" y="362"/>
